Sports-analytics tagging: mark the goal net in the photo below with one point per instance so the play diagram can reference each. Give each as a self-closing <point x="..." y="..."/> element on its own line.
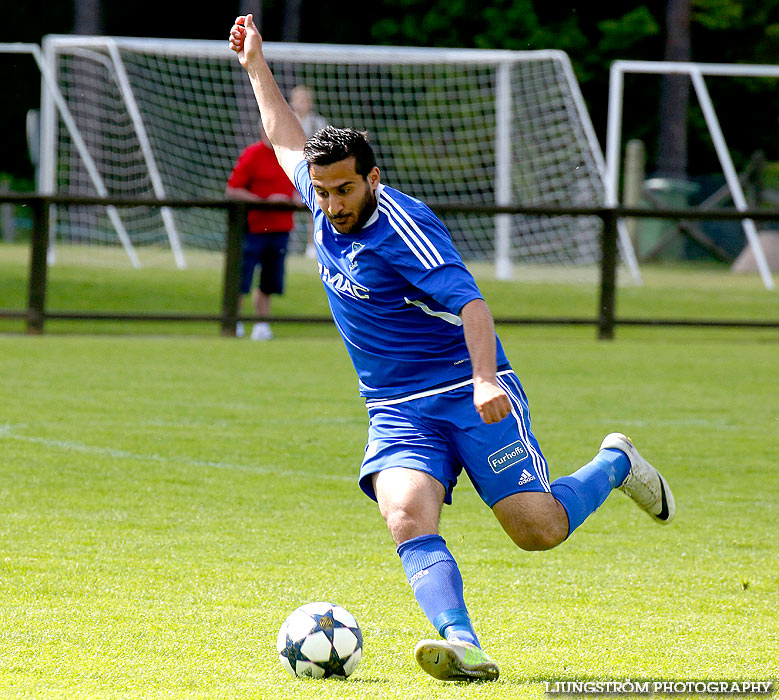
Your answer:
<point x="168" y="118"/>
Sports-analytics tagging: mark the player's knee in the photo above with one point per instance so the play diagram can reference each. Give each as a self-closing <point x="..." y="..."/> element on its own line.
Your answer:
<point x="410" y="502"/>
<point x="397" y="518"/>
<point x="404" y="523"/>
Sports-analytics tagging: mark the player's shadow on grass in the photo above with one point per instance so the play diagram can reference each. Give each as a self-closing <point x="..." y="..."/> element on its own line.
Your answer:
<point x="362" y="680"/>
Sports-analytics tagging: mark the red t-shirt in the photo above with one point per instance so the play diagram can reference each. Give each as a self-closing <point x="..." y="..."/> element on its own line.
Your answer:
<point x="258" y="171"/>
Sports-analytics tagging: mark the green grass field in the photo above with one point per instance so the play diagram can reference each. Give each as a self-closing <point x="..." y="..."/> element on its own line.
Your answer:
<point x="168" y="499"/>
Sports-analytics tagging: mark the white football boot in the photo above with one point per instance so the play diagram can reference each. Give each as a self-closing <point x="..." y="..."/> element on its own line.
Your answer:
<point x="644" y="484"/>
<point x="455" y="661"/>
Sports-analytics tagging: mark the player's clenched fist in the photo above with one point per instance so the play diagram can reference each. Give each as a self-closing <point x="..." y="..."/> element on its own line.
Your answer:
<point x="491" y="402"/>
<point x="245" y="39"/>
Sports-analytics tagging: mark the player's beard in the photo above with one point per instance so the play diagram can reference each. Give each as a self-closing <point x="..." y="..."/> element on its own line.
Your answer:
<point x="364" y="212"/>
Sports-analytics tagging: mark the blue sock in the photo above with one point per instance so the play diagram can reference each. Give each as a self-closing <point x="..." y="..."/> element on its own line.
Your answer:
<point x="583" y="492"/>
<point x="438" y="586"/>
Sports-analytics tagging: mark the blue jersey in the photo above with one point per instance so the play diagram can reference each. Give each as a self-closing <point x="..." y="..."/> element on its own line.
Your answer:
<point x="395" y="290"/>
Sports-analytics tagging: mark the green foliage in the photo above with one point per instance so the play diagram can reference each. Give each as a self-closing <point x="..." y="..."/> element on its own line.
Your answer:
<point x="528" y="32"/>
<point x="717" y="14"/>
<point x="440" y="21"/>
<point x="771" y="175"/>
<point x="505" y="24"/>
<point x="620" y="34"/>
<point x="596" y="34"/>
<point x="752" y="26"/>
<point x="15" y="183"/>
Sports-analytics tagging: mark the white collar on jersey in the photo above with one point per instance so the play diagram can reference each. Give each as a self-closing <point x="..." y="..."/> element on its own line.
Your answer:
<point x="375" y="216"/>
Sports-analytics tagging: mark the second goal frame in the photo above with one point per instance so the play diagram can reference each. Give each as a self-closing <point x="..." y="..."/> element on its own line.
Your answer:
<point x="696" y="72"/>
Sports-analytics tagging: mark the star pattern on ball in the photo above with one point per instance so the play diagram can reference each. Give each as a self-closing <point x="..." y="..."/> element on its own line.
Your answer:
<point x="334" y="666"/>
<point x="292" y="652"/>
<point x="327" y="623"/>
<point x="320" y="640"/>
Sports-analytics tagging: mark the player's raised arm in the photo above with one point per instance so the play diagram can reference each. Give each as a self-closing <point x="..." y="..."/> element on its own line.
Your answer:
<point x="279" y="121"/>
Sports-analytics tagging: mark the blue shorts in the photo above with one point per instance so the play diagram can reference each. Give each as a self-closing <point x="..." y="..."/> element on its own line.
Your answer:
<point x="441" y="434"/>
<point x="267" y="250"/>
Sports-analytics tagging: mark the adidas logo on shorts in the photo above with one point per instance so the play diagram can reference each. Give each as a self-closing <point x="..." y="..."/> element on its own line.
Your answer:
<point x="525" y="478"/>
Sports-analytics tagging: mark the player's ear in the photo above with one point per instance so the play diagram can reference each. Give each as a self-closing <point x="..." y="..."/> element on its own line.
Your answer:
<point x="374" y="177"/>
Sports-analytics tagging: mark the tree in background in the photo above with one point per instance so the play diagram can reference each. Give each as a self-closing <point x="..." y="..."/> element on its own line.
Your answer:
<point x="87" y="17"/>
<point x="290" y="28"/>
<point x="251" y="7"/>
<point x="595" y="34"/>
<point x="675" y="94"/>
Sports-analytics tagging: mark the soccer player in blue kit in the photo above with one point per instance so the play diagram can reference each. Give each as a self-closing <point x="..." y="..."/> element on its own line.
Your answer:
<point x="440" y="392"/>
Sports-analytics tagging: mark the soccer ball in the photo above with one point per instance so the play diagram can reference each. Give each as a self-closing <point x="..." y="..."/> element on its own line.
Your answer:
<point x="320" y="640"/>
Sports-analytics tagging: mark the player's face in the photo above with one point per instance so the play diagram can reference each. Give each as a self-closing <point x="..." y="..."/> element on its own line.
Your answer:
<point x="347" y="198"/>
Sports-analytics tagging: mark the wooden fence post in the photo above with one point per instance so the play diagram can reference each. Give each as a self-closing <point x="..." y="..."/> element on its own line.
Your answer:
<point x="7" y="213"/>
<point x="39" y="246"/>
<point x="608" y="275"/>
<point x="236" y="217"/>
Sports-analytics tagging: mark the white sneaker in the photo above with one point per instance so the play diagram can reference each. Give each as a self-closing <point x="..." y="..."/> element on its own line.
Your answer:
<point x="261" y="331"/>
<point x="455" y="661"/>
<point x="644" y="484"/>
<point x="239" y="329"/>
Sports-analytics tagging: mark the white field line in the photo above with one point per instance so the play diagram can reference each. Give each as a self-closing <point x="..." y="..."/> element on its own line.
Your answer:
<point x="673" y="423"/>
<point x="8" y="432"/>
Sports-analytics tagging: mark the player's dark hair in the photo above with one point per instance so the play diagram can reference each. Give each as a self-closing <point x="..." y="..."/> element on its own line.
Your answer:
<point x="331" y="145"/>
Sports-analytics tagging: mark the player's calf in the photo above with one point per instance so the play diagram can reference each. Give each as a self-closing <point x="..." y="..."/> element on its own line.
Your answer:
<point x="535" y="521"/>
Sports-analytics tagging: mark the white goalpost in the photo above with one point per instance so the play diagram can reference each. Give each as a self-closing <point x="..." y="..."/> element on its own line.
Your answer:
<point x="54" y="94"/>
<point x="695" y="71"/>
<point x="168" y="118"/>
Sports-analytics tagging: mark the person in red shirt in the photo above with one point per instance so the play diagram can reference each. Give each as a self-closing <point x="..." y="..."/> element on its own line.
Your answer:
<point x="256" y="176"/>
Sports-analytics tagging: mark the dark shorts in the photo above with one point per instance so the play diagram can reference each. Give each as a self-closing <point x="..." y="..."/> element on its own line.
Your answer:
<point x="267" y="250"/>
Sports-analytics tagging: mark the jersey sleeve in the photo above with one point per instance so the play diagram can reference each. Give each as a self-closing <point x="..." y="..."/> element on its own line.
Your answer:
<point x="421" y="250"/>
<point x="304" y="186"/>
